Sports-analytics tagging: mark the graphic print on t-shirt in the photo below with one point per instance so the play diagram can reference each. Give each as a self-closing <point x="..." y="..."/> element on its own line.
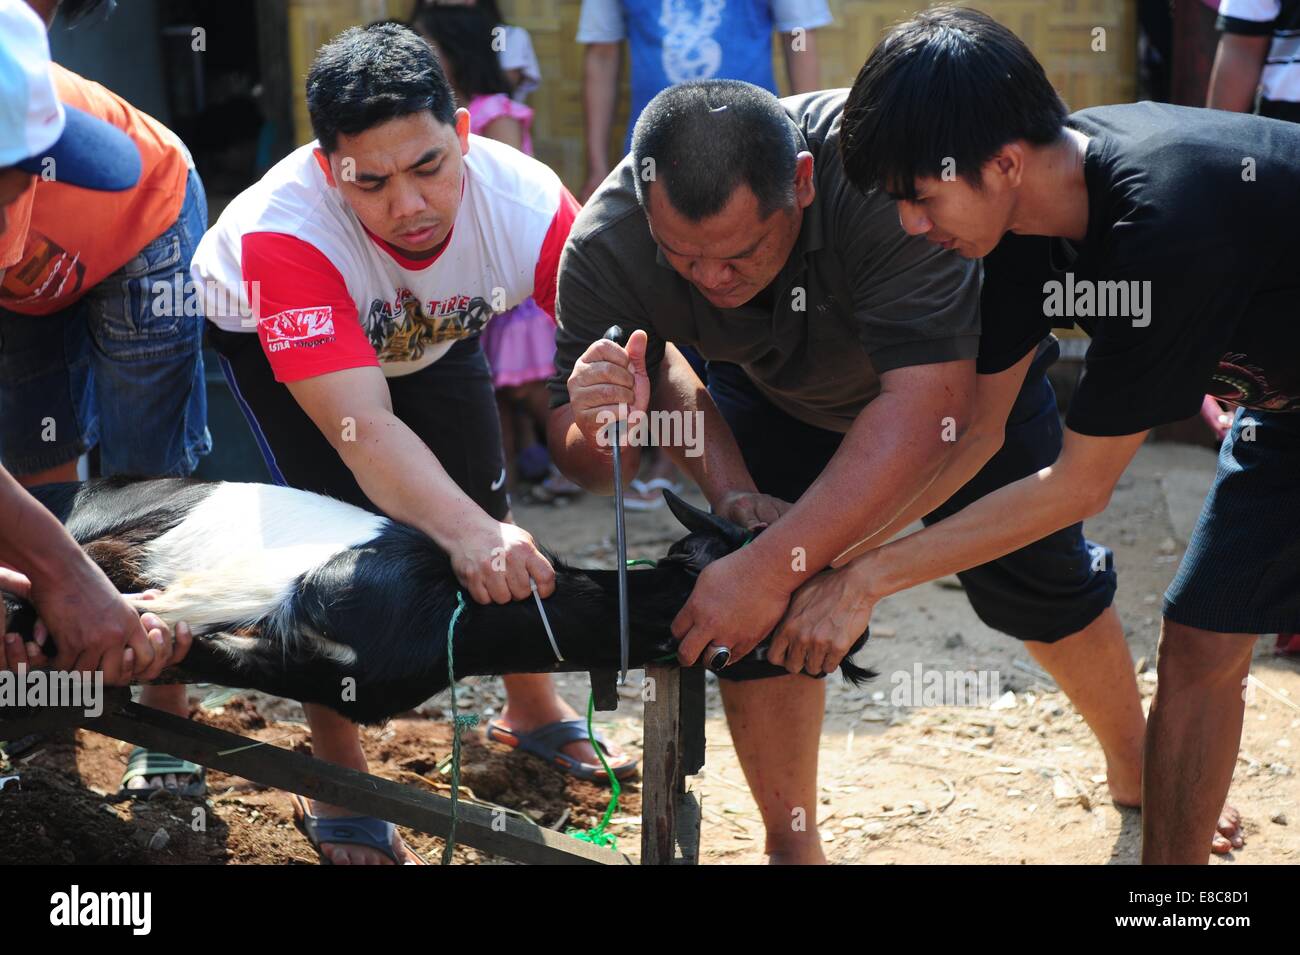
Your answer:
<point x="46" y="270"/>
<point x="298" y="328"/>
<point x="400" y="330"/>
<point x="1248" y="385"/>
<point x="690" y="52"/>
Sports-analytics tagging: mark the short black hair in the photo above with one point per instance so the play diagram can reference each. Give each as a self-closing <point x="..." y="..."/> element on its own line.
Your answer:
<point x="464" y="37"/>
<point x="706" y="138"/>
<point x="949" y="84"/>
<point x="368" y="75"/>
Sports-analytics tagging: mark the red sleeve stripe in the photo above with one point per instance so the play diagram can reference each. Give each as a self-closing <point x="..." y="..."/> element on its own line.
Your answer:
<point x="306" y="319"/>
<point x="548" y="261"/>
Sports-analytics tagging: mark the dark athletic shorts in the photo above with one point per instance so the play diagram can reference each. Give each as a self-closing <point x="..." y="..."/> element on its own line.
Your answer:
<point x="1045" y="591"/>
<point x="450" y="405"/>
<point x="1241" y="572"/>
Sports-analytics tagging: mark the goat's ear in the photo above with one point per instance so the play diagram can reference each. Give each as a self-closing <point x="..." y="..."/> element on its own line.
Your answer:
<point x="698" y="521"/>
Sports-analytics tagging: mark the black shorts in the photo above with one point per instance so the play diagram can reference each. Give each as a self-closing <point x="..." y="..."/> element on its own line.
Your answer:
<point x="1045" y="591"/>
<point x="1241" y="572"/>
<point x="450" y="405"/>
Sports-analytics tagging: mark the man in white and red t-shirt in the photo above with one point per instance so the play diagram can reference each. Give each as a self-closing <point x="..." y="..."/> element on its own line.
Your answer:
<point x="366" y="263"/>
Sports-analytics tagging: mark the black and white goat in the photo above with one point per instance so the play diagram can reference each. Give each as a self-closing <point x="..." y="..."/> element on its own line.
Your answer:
<point x="295" y="594"/>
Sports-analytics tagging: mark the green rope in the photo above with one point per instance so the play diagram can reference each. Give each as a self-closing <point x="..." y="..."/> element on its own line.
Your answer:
<point x="598" y="836"/>
<point x="459" y="724"/>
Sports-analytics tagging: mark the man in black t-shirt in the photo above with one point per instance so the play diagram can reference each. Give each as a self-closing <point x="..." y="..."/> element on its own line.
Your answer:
<point x="1169" y="234"/>
<point x="1257" y="70"/>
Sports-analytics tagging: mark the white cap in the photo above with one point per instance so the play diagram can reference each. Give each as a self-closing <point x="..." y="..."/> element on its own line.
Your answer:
<point x="31" y="117"/>
<point x="37" y="133"/>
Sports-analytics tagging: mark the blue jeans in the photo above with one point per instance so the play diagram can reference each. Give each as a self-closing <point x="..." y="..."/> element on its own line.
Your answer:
<point x="121" y="368"/>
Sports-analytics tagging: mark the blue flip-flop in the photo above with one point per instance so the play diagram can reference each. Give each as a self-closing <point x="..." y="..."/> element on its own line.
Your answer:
<point x="546" y="742"/>
<point x="346" y="830"/>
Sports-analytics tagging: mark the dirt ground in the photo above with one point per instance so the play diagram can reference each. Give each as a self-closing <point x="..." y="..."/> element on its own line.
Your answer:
<point x="949" y="784"/>
<point x="63" y="812"/>
<point x="1017" y="782"/>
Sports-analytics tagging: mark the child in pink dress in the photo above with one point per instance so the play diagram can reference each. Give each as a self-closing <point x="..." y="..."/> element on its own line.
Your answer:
<point x="519" y="343"/>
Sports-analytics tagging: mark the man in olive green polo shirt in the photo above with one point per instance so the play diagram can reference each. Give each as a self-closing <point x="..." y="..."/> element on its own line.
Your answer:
<point x="841" y="363"/>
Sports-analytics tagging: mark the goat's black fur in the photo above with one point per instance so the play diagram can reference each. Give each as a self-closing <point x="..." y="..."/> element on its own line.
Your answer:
<point x="390" y="601"/>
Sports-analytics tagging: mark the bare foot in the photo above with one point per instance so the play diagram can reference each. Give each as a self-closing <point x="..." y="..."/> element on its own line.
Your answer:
<point x="169" y="781"/>
<point x="1229" y="834"/>
<point x="804" y="852"/>
<point x="1125" y="785"/>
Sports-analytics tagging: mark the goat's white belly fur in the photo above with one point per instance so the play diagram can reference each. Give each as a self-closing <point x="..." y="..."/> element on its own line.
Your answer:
<point x="234" y="557"/>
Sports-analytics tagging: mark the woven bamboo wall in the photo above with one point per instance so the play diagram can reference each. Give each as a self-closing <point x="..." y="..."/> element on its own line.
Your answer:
<point x="1060" y="32"/>
<point x="311" y="23"/>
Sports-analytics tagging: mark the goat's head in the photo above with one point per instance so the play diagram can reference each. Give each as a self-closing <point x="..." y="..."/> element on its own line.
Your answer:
<point x="713" y="537"/>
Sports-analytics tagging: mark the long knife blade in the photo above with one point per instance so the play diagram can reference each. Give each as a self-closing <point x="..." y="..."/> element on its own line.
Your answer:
<point x="615" y="334"/>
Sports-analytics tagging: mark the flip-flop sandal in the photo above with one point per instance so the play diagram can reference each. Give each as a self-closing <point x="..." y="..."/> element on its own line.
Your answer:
<point x="546" y="741"/>
<point x="556" y="488"/>
<point x="364" y="831"/>
<point x="644" y="497"/>
<point x="146" y="763"/>
<point x="647" y="496"/>
<point x="560" y="486"/>
<point x="657" y="484"/>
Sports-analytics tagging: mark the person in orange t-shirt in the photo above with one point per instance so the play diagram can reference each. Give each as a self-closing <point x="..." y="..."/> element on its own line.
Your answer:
<point x="101" y="333"/>
<point x="95" y="630"/>
<point x="96" y="346"/>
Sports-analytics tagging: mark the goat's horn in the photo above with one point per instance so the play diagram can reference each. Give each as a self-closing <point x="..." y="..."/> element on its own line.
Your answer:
<point x="694" y="519"/>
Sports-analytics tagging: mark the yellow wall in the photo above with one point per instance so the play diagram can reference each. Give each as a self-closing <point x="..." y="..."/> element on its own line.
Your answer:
<point x="311" y="23"/>
<point x="1060" y="32"/>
